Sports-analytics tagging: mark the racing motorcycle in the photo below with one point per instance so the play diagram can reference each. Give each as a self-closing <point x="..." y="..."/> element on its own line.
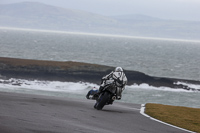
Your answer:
<point x="111" y="91"/>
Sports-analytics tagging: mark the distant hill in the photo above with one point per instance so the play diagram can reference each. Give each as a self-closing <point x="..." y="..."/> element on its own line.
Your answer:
<point x="38" y="15"/>
<point x="134" y="17"/>
<point x="41" y="16"/>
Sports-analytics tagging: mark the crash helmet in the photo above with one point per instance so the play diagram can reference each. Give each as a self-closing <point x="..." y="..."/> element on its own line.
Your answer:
<point x="118" y="69"/>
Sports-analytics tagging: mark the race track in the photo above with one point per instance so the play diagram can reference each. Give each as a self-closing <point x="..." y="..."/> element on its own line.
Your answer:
<point x="22" y="113"/>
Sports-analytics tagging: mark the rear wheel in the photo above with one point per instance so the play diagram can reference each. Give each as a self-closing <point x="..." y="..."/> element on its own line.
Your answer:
<point x="102" y="101"/>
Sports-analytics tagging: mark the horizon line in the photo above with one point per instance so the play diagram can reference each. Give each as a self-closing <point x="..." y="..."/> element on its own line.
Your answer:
<point x="98" y="34"/>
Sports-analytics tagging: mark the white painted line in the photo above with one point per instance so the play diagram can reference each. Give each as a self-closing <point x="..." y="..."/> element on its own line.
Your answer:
<point x="142" y="110"/>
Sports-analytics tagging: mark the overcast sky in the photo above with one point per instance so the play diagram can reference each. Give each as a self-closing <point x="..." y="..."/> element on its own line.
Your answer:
<point x="168" y="9"/>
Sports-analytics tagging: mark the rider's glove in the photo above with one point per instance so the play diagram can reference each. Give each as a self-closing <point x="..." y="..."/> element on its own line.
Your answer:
<point x="104" y="78"/>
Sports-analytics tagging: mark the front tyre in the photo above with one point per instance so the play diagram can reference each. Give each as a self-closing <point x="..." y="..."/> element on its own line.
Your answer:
<point x="102" y="101"/>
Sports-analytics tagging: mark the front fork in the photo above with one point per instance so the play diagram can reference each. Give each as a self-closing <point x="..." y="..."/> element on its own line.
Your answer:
<point x="118" y="93"/>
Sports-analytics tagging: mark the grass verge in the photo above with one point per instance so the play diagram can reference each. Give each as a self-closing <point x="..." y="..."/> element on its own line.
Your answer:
<point x="184" y="117"/>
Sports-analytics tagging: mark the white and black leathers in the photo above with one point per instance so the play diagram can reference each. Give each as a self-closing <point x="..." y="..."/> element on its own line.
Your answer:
<point x="120" y="80"/>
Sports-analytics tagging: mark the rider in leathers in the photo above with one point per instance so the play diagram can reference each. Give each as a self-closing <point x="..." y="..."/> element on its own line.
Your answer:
<point x="119" y="76"/>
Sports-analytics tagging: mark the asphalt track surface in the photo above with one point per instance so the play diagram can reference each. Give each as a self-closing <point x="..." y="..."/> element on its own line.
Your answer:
<point x="22" y="113"/>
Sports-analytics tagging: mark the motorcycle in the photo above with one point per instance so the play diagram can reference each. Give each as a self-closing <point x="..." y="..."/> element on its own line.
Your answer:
<point x="110" y="92"/>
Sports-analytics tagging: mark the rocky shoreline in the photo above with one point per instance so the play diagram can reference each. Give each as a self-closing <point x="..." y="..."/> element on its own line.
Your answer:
<point x="77" y="71"/>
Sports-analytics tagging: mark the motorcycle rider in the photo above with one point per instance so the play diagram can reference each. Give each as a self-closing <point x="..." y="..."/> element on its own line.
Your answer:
<point x="120" y="78"/>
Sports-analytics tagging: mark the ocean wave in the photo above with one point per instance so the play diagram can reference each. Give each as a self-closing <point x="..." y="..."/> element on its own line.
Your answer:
<point x="76" y="87"/>
<point x="55" y="86"/>
<point x="145" y="86"/>
<point x="195" y="86"/>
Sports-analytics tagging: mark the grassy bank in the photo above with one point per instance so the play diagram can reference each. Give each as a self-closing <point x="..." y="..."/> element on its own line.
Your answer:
<point x="184" y="117"/>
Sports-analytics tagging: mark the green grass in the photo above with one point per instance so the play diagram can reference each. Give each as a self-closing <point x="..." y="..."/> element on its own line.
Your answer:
<point x="184" y="117"/>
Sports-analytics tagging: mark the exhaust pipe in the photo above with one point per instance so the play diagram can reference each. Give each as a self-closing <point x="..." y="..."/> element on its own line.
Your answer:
<point x="114" y="98"/>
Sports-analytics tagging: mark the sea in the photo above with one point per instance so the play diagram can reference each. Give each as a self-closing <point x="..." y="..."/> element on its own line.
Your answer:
<point x="160" y="57"/>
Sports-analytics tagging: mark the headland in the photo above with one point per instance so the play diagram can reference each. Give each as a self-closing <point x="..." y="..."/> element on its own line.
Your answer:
<point x="78" y="71"/>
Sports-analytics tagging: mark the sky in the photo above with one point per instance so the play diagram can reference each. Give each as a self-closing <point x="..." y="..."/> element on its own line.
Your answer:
<point x="166" y="9"/>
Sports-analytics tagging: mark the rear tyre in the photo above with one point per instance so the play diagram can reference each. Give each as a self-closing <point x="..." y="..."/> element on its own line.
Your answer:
<point x="102" y="101"/>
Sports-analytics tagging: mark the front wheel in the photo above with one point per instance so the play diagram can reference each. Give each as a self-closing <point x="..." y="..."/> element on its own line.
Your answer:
<point x="101" y="102"/>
